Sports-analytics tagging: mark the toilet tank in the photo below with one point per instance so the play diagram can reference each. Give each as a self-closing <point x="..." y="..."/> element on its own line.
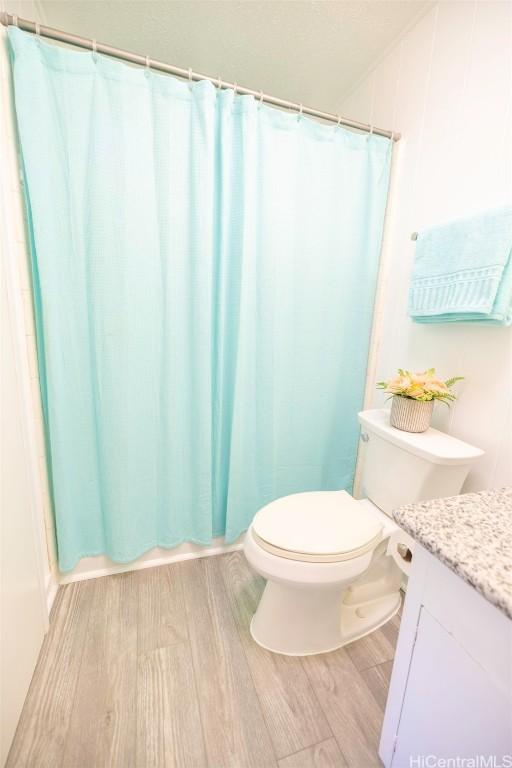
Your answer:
<point x="405" y="467"/>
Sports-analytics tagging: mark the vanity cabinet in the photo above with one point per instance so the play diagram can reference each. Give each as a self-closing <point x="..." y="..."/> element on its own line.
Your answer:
<point x="450" y="692"/>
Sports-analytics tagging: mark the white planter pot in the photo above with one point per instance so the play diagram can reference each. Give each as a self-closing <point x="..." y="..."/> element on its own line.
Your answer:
<point x="411" y="415"/>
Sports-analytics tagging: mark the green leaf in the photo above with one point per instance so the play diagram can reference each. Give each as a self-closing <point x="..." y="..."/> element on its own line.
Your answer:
<point x="451" y="382"/>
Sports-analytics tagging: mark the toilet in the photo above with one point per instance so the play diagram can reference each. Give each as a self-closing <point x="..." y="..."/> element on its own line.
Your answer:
<point x="334" y="565"/>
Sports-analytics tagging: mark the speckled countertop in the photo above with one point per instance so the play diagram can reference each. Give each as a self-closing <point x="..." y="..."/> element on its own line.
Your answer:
<point x="472" y="535"/>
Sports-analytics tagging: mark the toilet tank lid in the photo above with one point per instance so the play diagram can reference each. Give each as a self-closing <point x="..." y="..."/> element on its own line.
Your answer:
<point x="432" y="445"/>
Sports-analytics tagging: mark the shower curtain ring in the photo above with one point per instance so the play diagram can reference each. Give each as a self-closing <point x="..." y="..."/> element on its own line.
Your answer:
<point x="93" y="49"/>
<point x="219" y="83"/>
<point x="339" y="122"/>
<point x="261" y="99"/>
<point x="15" y="19"/>
<point x="37" y="27"/>
<point x="235" y="87"/>
<point x="190" y="77"/>
<point x="299" y="116"/>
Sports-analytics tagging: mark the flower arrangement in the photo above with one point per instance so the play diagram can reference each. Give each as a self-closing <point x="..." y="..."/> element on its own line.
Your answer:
<point x="423" y="386"/>
<point x="413" y="398"/>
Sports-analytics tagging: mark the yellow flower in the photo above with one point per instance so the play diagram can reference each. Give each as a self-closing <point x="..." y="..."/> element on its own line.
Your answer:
<point x="419" y="378"/>
<point x="415" y="392"/>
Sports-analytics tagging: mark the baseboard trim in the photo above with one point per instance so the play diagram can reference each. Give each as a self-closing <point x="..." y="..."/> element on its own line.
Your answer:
<point x="151" y="562"/>
<point x="51" y="592"/>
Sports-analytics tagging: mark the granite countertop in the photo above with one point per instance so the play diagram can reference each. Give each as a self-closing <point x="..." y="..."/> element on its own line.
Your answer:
<point x="472" y="535"/>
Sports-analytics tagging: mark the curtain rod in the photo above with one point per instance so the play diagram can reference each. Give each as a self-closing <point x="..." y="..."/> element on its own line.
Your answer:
<point x="160" y="66"/>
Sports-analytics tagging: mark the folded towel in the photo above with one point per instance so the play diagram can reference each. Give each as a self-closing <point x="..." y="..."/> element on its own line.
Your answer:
<point x="463" y="271"/>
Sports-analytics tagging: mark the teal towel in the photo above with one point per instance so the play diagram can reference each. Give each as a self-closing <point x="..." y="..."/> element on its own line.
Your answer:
<point x="463" y="271"/>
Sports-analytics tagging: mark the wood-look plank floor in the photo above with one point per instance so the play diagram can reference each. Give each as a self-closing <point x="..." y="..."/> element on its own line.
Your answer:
<point x="157" y="669"/>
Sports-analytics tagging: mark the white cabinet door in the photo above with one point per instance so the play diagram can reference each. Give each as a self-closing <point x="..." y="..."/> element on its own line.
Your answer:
<point x="23" y="616"/>
<point x="451" y="707"/>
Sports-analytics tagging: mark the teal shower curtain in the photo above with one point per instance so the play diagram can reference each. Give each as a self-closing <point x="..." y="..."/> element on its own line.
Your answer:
<point x="204" y="270"/>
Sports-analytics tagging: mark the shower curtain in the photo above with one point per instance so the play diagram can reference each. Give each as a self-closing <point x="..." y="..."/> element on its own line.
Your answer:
<point x="204" y="270"/>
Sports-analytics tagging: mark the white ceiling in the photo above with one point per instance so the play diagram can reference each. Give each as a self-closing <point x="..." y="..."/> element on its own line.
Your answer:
<point x="310" y="52"/>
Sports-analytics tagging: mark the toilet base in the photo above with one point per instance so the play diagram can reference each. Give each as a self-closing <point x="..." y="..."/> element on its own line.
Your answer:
<point x="360" y="620"/>
<point x="307" y="623"/>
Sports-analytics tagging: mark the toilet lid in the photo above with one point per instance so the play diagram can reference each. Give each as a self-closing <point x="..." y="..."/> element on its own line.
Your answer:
<point x="327" y="525"/>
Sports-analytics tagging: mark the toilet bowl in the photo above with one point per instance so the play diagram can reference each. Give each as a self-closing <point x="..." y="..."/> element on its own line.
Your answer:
<point x="334" y="565"/>
<point x="329" y="576"/>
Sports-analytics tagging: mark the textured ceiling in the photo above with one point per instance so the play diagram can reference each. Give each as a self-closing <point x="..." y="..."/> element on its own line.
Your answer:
<point x="310" y="52"/>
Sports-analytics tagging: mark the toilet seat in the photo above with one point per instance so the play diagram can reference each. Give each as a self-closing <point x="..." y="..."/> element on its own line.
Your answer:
<point x="317" y="527"/>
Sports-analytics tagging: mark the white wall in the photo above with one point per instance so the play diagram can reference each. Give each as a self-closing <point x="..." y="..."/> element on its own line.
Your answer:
<point x="26" y="584"/>
<point x="23" y="610"/>
<point x="446" y="86"/>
